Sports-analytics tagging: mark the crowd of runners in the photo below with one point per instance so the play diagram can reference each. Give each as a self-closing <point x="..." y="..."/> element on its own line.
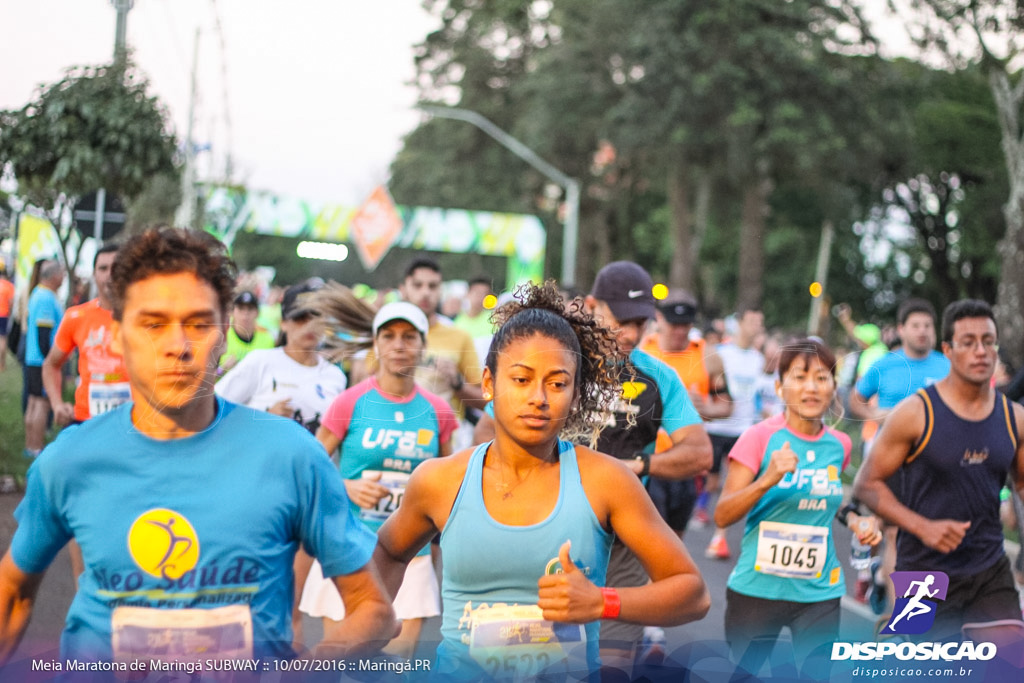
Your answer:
<point x="525" y="468"/>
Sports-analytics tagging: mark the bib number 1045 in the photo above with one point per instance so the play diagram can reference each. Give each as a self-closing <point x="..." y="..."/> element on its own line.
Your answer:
<point x="793" y="550"/>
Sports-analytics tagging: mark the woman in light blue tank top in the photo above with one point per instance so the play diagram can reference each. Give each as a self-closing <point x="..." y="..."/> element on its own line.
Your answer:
<point x="526" y="520"/>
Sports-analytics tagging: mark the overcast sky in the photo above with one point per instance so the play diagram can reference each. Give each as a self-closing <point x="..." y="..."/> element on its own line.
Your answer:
<point x="316" y="90"/>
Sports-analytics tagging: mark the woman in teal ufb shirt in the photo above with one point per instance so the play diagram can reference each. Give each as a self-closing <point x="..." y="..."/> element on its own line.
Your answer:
<point x="785" y="480"/>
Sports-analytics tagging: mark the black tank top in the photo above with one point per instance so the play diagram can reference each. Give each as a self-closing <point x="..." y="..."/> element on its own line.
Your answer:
<point x="956" y="471"/>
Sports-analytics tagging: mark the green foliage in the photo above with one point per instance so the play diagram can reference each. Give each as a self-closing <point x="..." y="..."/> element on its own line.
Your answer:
<point x="12" y="421"/>
<point x="947" y="188"/>
<point x="747" y="93"/>
<point x="156" y="204"/>
<point x="95" y="128"/>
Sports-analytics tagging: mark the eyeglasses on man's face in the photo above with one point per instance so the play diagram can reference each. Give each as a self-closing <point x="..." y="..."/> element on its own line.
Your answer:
<point x="969" y="344"/>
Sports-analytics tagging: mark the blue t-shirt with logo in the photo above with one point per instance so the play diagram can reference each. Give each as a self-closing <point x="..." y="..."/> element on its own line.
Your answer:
<point x="895" y="376"/>
<point x="43" y="309"/>
<point x="209" y="521"/>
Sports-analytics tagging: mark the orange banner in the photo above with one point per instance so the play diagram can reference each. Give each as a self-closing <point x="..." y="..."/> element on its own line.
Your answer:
<point x="375" y="227"/>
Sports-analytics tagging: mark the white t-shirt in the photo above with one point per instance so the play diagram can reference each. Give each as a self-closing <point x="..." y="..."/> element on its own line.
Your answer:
<point x="267" y="376"/>
<point x="743" y="372"/>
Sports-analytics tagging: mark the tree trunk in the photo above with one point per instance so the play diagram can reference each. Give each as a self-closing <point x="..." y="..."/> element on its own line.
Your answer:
<point x="594" y="243"/>
<point x="1010" y="295"/>
<point x="701" y="213"/>
<point x="682" y="268"/>
<point x="752" y="233"/>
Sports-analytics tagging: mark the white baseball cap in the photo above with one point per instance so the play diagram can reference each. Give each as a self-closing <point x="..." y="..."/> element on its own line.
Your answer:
<point x="401" y="310"/>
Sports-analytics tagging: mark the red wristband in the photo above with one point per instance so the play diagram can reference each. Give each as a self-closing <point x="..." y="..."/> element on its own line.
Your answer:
<point x="612" y="603"/>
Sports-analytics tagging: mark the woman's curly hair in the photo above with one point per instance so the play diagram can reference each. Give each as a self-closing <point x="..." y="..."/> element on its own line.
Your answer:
<point x="601" y="368"/>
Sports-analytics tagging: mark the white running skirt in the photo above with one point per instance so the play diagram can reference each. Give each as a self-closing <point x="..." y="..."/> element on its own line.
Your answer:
<point x="419" y="596"/>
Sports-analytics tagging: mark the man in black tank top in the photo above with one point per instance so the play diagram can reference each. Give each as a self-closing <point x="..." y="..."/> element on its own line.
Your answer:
<point x="955" y="443"/>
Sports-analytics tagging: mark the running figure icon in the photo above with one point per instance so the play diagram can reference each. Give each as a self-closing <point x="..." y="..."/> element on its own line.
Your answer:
<point x="174" y="540"/>
<point x="914" y="606"/>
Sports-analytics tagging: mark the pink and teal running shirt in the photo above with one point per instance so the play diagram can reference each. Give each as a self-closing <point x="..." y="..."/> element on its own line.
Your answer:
<point x="387" y="434"/>
<point x="787" y="551"/>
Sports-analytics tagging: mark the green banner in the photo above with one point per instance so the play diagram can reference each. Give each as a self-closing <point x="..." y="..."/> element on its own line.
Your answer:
<point x="520" y="238"/>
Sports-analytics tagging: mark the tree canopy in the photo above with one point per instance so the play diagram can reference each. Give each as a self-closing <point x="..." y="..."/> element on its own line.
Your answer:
<point x="95" y="128"/>
<point x="714" y="140"/>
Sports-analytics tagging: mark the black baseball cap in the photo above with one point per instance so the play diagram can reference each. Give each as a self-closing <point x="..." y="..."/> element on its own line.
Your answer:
<point x="627" y="289"/>
<point x="679" y="307"/>
<point x="296" y="301"/>
<point x="247" y="298"/>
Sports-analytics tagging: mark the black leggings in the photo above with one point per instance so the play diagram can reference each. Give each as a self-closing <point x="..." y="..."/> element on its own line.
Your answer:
<point x="752" y="625"/>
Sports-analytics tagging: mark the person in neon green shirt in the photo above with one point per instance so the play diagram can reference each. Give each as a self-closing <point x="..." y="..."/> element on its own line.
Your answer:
<point x="476" y="320"/>
<point x="244" y="335"/>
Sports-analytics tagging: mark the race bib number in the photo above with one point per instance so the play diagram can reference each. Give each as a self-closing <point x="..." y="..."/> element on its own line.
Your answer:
<point x="104" y="397"/>
<point x="794" y="550"/>
<point x="181" y="635"/>
<point x="515" y="641"/>
<point x="395" y="483"/>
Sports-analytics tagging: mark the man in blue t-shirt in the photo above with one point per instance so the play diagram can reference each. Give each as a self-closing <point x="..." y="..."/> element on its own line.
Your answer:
<point x="188" y="509"/>
<point x="914" y="365"/>
<point x="622" y="299"/>
<point x="44" y="315"/>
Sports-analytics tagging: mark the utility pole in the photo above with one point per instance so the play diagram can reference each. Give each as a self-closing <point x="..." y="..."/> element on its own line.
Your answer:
<point x="570" y="185"/>
<point x="122" y="7"/>
<point x="828" y="232"/>
<point x="187" y="210"/>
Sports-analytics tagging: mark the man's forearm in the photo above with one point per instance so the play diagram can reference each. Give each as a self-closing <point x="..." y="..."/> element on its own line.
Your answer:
<point x="52" y="382"/>
<point x="684" y="459"/>
<point x="880" y="500"/>
<point x="716" y="409"/>
<point x="17" y="595"/>
<point x="367" y="628"/>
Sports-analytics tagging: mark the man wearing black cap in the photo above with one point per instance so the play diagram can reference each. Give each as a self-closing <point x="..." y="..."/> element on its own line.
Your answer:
<point x="622" y="299"/>
<point x="671" y="343"/>
<point x="244" y="336"/>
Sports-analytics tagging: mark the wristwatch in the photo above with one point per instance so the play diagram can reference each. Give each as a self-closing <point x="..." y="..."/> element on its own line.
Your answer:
<point x="645" y="460"/>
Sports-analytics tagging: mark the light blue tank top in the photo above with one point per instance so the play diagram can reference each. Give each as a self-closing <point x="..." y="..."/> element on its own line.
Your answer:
<point x="487" y="563"/>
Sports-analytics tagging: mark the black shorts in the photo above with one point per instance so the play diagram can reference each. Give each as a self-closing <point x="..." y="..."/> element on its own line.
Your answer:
<point x="34" y="381"/>
<point x="988" y="598"/>
<point x="674" y="499"/>
<point x="720" y="447"/>
<point x="3" y="326"/>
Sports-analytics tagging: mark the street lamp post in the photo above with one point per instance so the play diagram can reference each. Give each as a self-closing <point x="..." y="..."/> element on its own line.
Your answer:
<point x="121" y="29"/>
<point x="570" y="185"/>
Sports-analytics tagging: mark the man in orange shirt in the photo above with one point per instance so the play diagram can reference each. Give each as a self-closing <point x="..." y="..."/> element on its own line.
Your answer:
<point x="103" y="379"/>
<point x="6" y="299"/>
<point x="671" y="343"/>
